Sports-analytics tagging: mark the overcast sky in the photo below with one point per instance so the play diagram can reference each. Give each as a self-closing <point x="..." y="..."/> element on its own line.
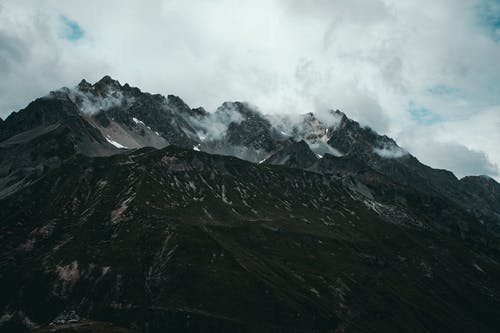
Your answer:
<point x="425" y="72"/>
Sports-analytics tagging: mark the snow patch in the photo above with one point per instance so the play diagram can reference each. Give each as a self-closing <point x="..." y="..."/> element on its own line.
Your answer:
<point x="314" y="291"/>
<point x="476" y="266"/>
<point x="114" y="143"/>
<point x="138" y="122"/>
<point x="224" y="197"/>
<point x="105" y="270"/>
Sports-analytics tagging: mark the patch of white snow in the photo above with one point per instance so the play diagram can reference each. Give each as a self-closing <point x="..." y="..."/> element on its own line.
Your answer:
<point x="114" y="143"/>
<point x="137" y="121"/>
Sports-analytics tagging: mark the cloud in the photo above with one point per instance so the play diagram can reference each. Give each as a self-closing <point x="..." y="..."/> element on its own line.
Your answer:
<point x="216" y="124"/>
<point x="462" y="160"/>
<point x="90" y="104"/>
<point x="464" y="146"/>
<point x="368" y="58"/>
<point x="390" y="152"/>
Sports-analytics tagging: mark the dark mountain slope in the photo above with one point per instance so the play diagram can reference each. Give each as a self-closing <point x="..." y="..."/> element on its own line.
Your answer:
<point x="486" y="188"/>
<point x="294" y="155"/>
<point x="189" y="241"/>
<point x="40" y="137"/>
<point x="94" y="120"/>
<point x="383" y="155"/>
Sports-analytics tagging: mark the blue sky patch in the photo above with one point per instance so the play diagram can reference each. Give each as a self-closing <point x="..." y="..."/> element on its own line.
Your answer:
<point x="444" y="90"/>
<point x="422" y="115"/>
<point x="488" y="12"/>
<point x="71" y="29"/>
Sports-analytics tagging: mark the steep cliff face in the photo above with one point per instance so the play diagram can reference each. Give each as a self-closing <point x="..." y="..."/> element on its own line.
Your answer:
<point x="119" y="208"/>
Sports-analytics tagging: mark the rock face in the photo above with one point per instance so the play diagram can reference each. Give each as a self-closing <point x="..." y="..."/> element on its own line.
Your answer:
<point x="241" y="131"/>
<point x="294" y="155"/>
<point x="338" y="230"/>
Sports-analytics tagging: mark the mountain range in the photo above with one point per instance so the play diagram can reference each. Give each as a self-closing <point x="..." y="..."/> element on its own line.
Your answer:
<point x="123" y="208"/>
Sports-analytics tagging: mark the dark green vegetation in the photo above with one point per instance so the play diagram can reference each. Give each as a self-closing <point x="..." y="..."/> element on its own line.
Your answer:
<point x="178" y="240"/>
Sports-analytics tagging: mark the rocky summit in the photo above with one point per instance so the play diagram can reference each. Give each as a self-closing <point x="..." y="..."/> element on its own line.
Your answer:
<point x="123" y="211"/>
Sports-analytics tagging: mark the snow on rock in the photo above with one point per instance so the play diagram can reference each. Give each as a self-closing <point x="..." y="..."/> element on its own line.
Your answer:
<point x="138" y="122"/>
<point x="476" y="266"/>
<point x="114" y="143"/>
<point x="224" y="197"/>
<point x="314" y="291"/>
<point x="105" y="270"/>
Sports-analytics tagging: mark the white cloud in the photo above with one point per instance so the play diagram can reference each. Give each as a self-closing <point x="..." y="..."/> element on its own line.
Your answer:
<point x="369" y="58"/>
<point x="390" y="152"/>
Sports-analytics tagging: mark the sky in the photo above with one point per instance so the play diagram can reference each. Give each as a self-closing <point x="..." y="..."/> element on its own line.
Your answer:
<point x="426" y="73"/>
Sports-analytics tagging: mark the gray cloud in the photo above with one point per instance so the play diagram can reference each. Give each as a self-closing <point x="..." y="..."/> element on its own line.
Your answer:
<point x="12" y="51"/>
<point x="369" y="58"/>
<point x="462" y="160"/>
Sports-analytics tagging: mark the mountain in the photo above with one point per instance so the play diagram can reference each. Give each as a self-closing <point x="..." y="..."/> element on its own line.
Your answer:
<point x="293" y="155"/>
<point x="126" y="211"/>
<point x="240" y="131"/>
<point x="94" y="120"/>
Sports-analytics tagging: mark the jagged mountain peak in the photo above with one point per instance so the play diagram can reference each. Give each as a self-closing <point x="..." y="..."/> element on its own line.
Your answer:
<point x="107" y="81"/>
<point x="84" y="85"/>
<point x="176" y="103"/>
<point x="349" y="137"/>
<point x="104" y="88"/>
<point x="243" y="109"/>
<point x="199" y="112"/>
